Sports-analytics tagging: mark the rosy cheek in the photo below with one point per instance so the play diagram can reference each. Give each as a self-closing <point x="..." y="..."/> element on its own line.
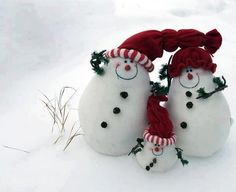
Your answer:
<point x="117" y="65"/>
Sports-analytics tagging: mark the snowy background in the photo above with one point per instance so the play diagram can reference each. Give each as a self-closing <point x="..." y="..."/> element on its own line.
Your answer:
<point x="45" y="45"/>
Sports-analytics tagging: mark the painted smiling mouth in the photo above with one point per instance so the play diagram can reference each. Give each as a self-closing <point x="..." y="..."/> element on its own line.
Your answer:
<point x="198" y="80"/>
<point x="125" y="78"/>
<point x="154" y="153"/>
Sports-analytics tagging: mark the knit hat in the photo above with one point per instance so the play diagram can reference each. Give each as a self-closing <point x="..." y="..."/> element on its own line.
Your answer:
<point x="143" y="48"/>
<point x="191" y="55"/>
<point x="160" y="129"/>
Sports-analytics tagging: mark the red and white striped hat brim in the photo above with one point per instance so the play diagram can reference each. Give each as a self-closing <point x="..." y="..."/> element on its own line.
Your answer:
<point x="158" y="140"/>
<point x="133" y="55"/>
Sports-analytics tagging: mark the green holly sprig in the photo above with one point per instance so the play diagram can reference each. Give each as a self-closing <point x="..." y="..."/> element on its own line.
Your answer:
<point x="179" y="155"/>
<point x="96" y="60"/>
<point x="157" y="88"/>
<point x="221" y="85"/>
<point x="164" y="73"/>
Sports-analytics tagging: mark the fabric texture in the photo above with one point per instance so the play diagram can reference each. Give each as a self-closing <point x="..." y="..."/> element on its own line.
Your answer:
<point x="146" y="46"/>
<point x="160" y="130"/>
<point x="191" y="54"/>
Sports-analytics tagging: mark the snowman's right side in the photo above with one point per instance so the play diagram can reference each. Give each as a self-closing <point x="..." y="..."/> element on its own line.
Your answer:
<point x="197" y="107"/>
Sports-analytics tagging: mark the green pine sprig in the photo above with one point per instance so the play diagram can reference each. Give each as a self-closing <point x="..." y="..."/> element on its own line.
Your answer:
<point x="180" y="156"/>
<point x="96" y="60"/>
<point x="221" y="85"/>
<point x="163" y="74"/>
<point x="157" y="88"/>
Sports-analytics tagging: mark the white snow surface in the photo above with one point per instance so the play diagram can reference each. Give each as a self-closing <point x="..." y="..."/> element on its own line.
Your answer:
<point x="46" y="45"/>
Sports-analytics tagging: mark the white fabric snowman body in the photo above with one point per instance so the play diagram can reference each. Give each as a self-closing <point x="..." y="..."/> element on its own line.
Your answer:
<point x="113" y="106"/>
<point x="201" y="124"/>
<point x="112" y="109"/>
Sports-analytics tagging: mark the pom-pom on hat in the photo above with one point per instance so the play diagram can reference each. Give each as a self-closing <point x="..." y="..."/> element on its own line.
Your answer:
<point x="191" y="54"/>
<point x="143" y="48"/>
<point x="160" y="130"/>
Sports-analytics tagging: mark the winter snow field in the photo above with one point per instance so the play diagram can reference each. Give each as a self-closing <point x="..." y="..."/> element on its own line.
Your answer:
<point x="46" y="44"/>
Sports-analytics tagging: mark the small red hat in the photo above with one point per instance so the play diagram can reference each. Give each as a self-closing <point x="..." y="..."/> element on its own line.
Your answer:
<point x="143" y="48"/>
<point x="160" y="130"/>
<point x="191" y="54"/>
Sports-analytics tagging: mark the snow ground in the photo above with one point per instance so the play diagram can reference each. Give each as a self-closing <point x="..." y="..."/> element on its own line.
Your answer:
<point x="46" y="45"/>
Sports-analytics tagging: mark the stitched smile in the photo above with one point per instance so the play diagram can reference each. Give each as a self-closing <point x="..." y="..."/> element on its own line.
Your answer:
<point x="124" y="78"/>
<point x="198" y="80"/>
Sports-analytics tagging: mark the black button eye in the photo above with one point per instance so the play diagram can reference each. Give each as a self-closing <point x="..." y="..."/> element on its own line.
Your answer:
<point x="116" y="110"/>
<point x="104" y="124"/>
<point x="125" y="61"/>
<point x="131" y="61"/>
<point x="124" y="94"/>
<point x="188" y="94"/>
<point x="187" y="71"/>
<point x="183" y="125"/>
<point x="190" y="70"/>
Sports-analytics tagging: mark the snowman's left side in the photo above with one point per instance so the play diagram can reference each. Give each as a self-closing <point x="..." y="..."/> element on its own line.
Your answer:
<point x="112" y="109"/>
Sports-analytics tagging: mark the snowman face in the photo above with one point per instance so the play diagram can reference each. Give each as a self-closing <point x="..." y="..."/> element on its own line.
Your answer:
<point x="126" y="70"/>
<point x="123" y="69"/>
<point x="189" y="77"/>
<point x="154" y="149"/>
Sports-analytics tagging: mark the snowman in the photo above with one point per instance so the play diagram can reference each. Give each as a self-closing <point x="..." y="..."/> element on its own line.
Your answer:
<point x="197" y="107"/>
<point x="112" y="109"/>
<point x="158" y="153"/>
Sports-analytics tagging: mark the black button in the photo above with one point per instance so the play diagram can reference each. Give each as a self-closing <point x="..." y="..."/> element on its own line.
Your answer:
<point x="189" y="104"/>
<point x="104" y="124"/>
<point x="183" y="125"/>
<point x="124" y="94"/>
<point x="147" y="168"/>
<point x="188" y="94"/>
<point x="151" y="165"/>
<point x="154" y="160"/>
<point x="116" y="110"/>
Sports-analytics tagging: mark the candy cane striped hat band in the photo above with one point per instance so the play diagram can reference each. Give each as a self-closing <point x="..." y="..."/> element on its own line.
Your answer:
<point x="133" y="55"/>
<point x="158" y="140"/>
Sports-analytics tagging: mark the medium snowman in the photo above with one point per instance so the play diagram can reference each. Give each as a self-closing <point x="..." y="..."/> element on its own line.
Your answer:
<point x="112" y="109"/>
<point x="197" y="107"/>
<point x="158" y="153"/>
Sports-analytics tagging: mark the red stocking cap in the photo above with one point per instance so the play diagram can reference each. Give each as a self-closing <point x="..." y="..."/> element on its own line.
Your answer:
<point x="145" y="47"/>
<point x="191" y="55"/>
<point x="160" y="129"/>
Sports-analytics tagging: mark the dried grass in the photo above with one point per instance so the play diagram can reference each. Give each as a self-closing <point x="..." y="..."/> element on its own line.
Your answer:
<point x="58" y="109"/>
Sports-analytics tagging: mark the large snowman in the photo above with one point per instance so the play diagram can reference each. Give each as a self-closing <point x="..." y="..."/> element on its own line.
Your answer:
<point x="197" y="108"/>
<point x="112" y="109"/>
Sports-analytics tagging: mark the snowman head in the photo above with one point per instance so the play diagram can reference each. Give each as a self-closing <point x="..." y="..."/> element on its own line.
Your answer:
<point x="132" y="60"/>
<point x="192" y="77"/>
<point x="127" y="66"/>
<point x="190" y="66"/>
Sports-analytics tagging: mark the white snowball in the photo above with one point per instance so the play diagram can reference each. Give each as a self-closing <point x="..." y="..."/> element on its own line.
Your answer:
<point x="208" y="121"/>
<point x="102" y="95"/>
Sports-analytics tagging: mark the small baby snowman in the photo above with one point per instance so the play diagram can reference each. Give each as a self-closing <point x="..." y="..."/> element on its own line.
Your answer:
<point x="158" y="153"/>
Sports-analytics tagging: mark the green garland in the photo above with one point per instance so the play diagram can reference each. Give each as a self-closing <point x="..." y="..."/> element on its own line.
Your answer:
<point x="221" y="85"/>
<point x="179" y="155"/>
<point x="157" y="88"/>
<point x="137" y="148"/>
<point x="164" y="73"/>
<point x="96" y="60"/>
